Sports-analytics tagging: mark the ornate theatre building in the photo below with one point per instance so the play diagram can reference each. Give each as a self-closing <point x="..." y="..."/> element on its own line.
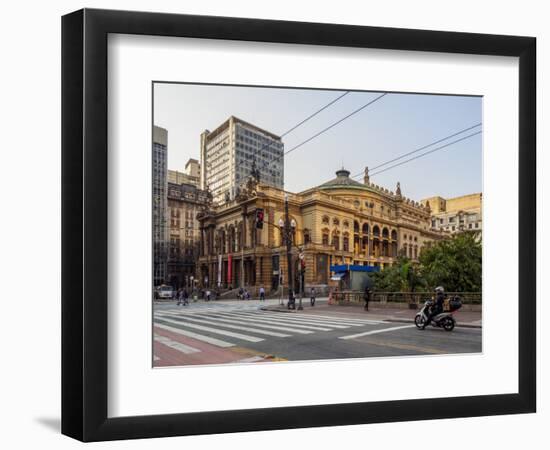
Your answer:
<point x="342" y="221"/>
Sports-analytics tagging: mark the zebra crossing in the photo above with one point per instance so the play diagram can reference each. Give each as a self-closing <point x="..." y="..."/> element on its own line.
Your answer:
<point x="224" y="326"/>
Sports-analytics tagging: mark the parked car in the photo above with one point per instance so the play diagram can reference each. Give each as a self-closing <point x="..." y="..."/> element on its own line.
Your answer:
<point x="164" y="292"/>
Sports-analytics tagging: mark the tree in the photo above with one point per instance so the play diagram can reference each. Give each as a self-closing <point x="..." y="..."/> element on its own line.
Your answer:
<point x="404" y="276"/>
<point x="453" y="263"/>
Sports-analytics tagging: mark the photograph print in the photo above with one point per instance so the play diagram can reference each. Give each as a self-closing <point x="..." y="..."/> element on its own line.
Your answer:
<point x="299" y="224"/>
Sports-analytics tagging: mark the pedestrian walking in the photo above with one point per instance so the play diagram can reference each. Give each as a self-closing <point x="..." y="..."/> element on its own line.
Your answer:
<point x="178" y="297"/>
<point x="262" y="294"/>
<point x="366" y="297"/>
<point x="208" y="295"/>
<point x="312" y="296"/>
<point x="185" y="297"/>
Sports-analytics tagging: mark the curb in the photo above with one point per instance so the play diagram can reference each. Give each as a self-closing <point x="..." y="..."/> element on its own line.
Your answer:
<point x="281" y="310"/>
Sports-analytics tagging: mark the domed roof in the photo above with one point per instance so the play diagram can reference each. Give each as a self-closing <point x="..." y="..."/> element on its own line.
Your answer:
<point x="342" y="180"/>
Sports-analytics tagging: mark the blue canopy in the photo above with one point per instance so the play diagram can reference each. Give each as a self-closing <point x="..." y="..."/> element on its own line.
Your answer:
<point x="353" y="268"/>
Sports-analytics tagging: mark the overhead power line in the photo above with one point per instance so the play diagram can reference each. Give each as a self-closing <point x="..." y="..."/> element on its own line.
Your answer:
<point x="267" y="145"/>
<point x="428" y="152"/>
<point x="419" y="149"/>
<point x="330" y="126"/>
<point x="315" y="113"/>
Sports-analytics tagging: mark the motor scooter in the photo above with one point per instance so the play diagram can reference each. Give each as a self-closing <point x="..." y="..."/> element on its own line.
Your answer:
<point x="443" y="320"/>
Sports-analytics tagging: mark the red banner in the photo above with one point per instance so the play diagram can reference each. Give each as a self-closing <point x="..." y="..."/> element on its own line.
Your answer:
<point x="229" y="266"/>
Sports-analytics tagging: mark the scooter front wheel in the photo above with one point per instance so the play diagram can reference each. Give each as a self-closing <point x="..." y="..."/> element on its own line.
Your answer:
<point x="419" y="322"/>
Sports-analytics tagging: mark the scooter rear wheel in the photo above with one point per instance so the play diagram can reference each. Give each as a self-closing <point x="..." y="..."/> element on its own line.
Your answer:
<point x="449" y="324"/>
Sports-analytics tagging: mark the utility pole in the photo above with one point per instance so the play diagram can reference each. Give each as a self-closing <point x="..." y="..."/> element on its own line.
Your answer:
<point x="243" y="240"/>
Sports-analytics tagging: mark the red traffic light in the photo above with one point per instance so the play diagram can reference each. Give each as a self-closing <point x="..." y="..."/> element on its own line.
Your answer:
<point x="259" y="218"/>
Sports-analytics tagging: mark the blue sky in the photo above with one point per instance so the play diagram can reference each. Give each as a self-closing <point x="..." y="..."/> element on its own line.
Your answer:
<point x="394" y="125"/>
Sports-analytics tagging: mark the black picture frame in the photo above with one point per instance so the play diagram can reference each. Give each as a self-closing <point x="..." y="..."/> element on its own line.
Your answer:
<point x="84" y="224"/>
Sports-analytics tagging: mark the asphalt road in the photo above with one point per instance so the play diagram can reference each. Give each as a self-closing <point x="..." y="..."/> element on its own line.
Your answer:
<point x="239" y="332"/>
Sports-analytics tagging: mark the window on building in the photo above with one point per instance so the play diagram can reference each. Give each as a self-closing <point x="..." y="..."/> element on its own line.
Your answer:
<point x="325" y="238"/>
<point x="336" y="242"/>
<point x="346" y="244"/>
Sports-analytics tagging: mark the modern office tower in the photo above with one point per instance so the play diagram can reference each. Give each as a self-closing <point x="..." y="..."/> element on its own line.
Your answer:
<point x="231" y="152"/>
<point x="160" y="210"/>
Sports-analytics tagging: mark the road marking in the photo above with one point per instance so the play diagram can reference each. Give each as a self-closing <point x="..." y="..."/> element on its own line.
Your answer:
<point x="198" y="337"/>
<point x="212" y="321"/>
<point x="368" y="333"/>
<point x="258" y="325"/>
<point x="345" y="319"/>
<point x="244" y="337"/>
<point x="305" y="321"/>
<point x="255" y="317"/>
<point x="415" y="348"/>
<point x="175" y="345"/>
<point x="251" y="359"/>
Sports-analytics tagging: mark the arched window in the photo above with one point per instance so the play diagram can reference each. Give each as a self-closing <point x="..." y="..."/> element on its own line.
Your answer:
<point x="376" y="230"/>
<point x="355" y="226"/>
<point x="335" y="221"/>
<point x="365" y="228"/>
<point x="346" y="243"/>
<point x="346" y="224"/>
<point x="385" y="233"/>
<point x="394" y="235"/>
<point x="325" y="220"/>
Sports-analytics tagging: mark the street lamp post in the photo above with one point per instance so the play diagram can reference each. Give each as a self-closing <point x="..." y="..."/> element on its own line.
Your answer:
<point x="300" y="307"/>
<point x="287" y="227"/>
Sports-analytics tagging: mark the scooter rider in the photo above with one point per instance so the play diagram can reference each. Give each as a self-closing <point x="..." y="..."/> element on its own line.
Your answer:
<point x="437" y="307"/>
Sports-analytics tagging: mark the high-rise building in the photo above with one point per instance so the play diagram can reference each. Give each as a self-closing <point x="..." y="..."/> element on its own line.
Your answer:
<point x="191" y="175"/>
<point x="456" y="214"/>
<point x="233" y="151"/>
<point x="160" y="190"/>
<point x="185" y="201"/>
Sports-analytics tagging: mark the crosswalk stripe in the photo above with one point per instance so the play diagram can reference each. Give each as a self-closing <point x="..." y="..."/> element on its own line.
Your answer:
<point x="198" y="337"/>
<point x="259" y="325"/>
<point x="313" y="317"/>
<point x="345" y="319"/>
<point x="243" y="337"/>
<point x="175" y="345"/>
<point x="367" y="333"/>
<point x="292" y="317"/>
<point x="254" y="317"/>
<point x="212" y="321"/>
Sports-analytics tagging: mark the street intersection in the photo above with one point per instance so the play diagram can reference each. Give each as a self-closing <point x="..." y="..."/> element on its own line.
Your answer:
<point x="232" y="331"/>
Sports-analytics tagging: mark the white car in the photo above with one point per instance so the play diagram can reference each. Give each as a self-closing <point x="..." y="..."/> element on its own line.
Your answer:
<point x="164" y="292"/>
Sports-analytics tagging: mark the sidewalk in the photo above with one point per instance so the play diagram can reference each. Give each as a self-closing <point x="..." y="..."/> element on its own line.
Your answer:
<point x="469" y="319"/>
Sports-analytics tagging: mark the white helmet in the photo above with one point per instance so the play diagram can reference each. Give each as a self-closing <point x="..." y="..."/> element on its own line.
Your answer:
<point x="439" y="289"/>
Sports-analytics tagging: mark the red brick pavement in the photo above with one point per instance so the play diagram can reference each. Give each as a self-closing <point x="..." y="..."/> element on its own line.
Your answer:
<point x="208" y="353"/>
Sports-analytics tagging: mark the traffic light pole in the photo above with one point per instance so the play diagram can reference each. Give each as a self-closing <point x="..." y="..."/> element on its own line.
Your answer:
<point x="300" y="307"/>
<point x="288" y="241"/>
